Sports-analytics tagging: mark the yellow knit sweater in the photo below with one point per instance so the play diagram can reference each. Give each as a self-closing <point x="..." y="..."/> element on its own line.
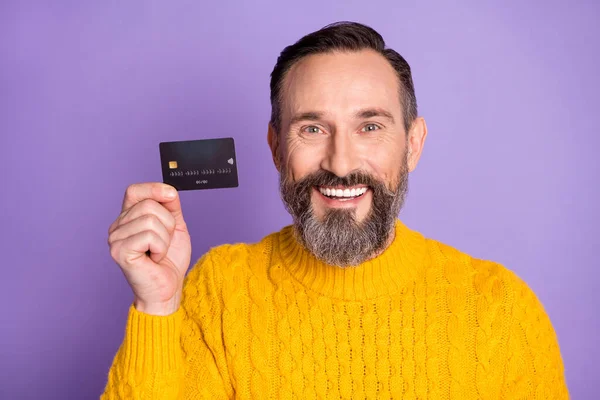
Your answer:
<point x="269" y="321"/>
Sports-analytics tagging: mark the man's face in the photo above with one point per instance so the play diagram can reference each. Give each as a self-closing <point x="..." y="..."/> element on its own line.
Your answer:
<point x="342" y="153"/>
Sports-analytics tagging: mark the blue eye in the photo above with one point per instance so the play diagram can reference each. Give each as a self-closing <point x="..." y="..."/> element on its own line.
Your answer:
<point x="312" y="129"/>
<point x="370" y="128"/>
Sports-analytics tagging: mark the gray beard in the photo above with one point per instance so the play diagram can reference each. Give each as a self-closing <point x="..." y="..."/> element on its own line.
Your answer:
<point x="339" y="239"/>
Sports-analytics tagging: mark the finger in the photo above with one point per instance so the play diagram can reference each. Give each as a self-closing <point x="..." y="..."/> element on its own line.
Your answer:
<point x="131" y="251"/>
<point x="157" y="191"/>
<point x="174" y="207"/>
<point x="146" y="207"/>
<point x="147" y="222"/>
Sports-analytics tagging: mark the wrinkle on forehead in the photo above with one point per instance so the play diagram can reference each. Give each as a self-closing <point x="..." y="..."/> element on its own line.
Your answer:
<point x="340" y="83"/>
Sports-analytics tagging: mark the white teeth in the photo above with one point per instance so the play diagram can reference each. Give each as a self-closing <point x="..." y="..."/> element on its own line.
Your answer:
<point x="343" y="193"/>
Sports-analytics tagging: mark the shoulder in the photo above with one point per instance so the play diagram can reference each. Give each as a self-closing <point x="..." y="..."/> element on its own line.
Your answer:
<point x="488" y="278"/>
<point x="497" y="294"/>
<point x="508" y="315"/>
<point x="232" y="261"/>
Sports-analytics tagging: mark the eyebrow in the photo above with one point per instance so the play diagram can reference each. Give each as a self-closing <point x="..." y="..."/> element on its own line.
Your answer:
<point x="306" y="116"/>
<point x="360" y="114"/>
<point x="374" y="112"/>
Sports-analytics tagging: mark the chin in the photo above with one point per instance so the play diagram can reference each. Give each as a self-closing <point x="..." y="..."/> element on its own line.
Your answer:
<point x="320" y="213"/>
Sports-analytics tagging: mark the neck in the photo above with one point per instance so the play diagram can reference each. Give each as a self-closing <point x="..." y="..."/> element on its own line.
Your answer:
<point x="383" y="273"/>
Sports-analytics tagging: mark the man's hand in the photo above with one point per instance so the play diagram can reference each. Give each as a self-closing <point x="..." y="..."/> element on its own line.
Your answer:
<point x="149" y="240"/>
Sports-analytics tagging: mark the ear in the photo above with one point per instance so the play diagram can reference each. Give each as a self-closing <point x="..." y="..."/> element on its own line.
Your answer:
<point x="416" y="142"/>
<point x="273" y="140"/>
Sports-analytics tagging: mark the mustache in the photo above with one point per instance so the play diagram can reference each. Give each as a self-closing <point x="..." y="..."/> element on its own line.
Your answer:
<point x="327" y="178"/>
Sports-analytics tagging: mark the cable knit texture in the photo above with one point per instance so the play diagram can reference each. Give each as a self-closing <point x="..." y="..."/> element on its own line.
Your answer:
<point x="269" y="321"/>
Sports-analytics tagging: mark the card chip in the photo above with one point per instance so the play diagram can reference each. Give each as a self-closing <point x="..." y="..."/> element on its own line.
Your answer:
<point x="172" y="164"/>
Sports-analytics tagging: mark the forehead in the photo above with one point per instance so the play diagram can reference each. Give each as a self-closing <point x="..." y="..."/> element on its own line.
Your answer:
<point x="340" y="82"/>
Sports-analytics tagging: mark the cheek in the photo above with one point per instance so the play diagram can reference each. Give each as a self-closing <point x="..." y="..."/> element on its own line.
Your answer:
<point x="301" y="159"/>
<point x="384" y="165"/>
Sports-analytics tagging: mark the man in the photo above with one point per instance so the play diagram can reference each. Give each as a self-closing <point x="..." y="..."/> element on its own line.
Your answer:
<point x="348" y="302"/>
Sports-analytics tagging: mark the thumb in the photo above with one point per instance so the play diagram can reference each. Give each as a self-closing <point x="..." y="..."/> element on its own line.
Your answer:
<point x="174" y="207"/>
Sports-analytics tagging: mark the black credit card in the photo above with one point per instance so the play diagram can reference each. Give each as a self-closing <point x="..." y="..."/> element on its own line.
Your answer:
<point x="199" y="164"/>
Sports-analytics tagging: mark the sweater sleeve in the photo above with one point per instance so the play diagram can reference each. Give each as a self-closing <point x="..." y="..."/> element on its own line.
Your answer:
<point x="179" y="356"/>
<point x="534" y="368"/>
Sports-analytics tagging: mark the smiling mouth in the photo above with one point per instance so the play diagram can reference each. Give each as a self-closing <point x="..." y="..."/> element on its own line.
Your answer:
<point x="342" y="194"/>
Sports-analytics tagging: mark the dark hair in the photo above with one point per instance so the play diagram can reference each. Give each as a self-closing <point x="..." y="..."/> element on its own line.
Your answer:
<point x="342" y="36"/>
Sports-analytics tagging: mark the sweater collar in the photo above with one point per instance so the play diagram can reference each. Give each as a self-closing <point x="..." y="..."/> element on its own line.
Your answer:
<point x="400" y="263"/>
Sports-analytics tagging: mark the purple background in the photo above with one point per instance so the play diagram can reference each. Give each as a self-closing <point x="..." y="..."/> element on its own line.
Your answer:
<point x="89" y="89"/>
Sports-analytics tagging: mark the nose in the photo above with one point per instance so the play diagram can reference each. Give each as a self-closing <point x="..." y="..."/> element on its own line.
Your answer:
<point x="342" y="155"/>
